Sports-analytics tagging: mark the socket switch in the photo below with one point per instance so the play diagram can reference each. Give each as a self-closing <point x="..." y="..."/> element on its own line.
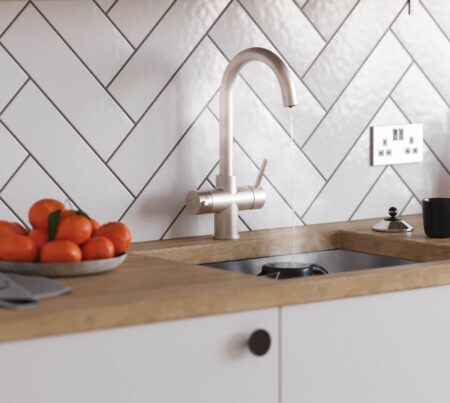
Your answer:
<point x="398" y="144"/>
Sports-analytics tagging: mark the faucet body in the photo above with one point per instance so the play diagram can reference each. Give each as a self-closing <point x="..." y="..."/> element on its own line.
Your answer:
<point x="227" y="199"/>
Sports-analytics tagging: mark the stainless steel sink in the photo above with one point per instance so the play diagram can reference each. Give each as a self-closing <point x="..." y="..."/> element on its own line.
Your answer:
<point x="334" y="261"/>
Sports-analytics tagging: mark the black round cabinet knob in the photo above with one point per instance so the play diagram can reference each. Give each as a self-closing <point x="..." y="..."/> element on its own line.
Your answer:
<point x="259" y="342"/>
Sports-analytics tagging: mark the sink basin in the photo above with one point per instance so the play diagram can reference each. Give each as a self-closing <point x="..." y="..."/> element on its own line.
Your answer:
<point x="334" y="261"/>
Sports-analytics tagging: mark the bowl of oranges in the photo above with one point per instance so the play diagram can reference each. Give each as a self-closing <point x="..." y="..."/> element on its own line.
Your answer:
<point x="62" y="243"/>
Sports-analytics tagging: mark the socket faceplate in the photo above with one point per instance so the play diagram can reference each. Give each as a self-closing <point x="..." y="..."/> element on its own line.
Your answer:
<point x="397" y="144"/>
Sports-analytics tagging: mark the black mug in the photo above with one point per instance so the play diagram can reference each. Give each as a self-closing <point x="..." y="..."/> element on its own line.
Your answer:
<point x="436" y="217"/>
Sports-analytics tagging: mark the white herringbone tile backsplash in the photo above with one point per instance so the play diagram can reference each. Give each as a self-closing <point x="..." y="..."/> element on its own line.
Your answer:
<point x="113" y="104"/>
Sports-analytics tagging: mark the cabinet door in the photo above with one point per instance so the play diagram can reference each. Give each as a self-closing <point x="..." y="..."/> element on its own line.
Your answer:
<point x="190" y="361"/>
<point x="390" y="348"/>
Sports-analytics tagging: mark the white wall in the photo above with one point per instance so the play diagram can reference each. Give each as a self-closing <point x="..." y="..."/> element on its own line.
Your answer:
<point x="113" y="104"/>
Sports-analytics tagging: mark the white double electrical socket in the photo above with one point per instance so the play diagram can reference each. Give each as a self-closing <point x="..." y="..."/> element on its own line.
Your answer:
<point x="398" y="144"/>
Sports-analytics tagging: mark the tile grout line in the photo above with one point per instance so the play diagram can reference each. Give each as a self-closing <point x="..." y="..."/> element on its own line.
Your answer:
<point x="392" y="166"/>
<point x="407" y="203"/>
<point x="331" y="38"/>
<point x="405" y="183"/>
<point x="15" y="171"/>
<point x="67" y="121"/>
<point x="94" y="76"/>
<point x="180" y="139"/>
<point x="358" y="137"/>
<point x="280" y="53"/>
<point x="184" y="207"/>
<point x="140" y="44"/>
<point x="368" y="192"/>
<point x="15" y="95"/>
<point x="420" y="68"/>
<point x="268" y="109"/>
<point x="114" y="25"/>
<point x="363" y="63"/>
<point x="112" y="6"/>
<point x="304" y="5"/>
<point x="14" y="19"/>
<point x="434" y="20"/>
<point x="310" y="22"/>
<point x="257" y="167"/>
<point x="14" y="213"/>
<point x="39" y="163"/>
<point x="162" y="90"/>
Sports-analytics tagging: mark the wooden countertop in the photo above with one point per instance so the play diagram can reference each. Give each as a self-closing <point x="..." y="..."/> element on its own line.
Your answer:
<point x="161" y="280"/>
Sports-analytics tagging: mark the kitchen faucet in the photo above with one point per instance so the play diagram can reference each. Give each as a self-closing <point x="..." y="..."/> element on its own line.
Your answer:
<point x="227" y="199"/>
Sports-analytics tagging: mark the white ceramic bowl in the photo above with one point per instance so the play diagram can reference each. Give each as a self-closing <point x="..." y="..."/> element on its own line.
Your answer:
<point x="85" y="268"/>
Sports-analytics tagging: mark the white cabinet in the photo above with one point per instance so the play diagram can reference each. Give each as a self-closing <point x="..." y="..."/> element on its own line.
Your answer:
<point x="202" y="360"/>
<point x="390" y="348"/>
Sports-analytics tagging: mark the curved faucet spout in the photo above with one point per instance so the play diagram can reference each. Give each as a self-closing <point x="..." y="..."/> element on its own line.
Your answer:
<point x="226" y="101"/>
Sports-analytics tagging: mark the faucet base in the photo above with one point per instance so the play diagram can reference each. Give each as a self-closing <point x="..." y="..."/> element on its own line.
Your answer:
<point x="226" y="223"/>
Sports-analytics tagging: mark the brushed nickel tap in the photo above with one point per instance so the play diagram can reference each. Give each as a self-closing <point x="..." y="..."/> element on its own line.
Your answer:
<point x="227" y="199"/>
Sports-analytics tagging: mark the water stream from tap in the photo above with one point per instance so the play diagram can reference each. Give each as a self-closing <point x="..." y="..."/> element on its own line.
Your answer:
<point x="292" y="149"/>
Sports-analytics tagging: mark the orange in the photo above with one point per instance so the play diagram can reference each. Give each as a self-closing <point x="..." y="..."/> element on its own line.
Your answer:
<point x="98" y="248"/>
<point x="40" y="236"/>
<point x="10" y="228"/>
<point x="39" y="212"/>
<point x="75" y="228"/>
<point x="18" y="248"/>
<point x="118" y="233"/>
<point x="95" y="224"/>
<point x="60" y="251"/>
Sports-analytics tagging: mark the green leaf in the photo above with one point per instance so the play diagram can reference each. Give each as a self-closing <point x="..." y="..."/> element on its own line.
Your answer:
<point x="53" y="222"/>
<point x="83" y="214"/>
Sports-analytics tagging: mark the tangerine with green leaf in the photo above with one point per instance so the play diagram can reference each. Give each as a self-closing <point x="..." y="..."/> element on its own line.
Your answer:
<point x="74" y="227"/>
<point x="39" y="212"/>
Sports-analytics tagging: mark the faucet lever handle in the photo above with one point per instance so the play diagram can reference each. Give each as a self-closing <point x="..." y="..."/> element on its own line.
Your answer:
<point x="261" y="173"/>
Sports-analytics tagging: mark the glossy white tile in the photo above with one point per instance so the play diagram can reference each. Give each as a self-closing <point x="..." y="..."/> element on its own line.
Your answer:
<point x="75" y="166"/>
<point x="440" y="12"/>
<point x="138" y="17"/>
<point x="157" y="133"/>
<point x="288" y="29"/>
<point x="413" y="207"/>
<point x="389" y="191"/>
<point x="434" y="113"/>
<point x="328" y="15"/>
<point x="353" y="179"/>
<point x="30" y="184"/>
<point x="105" y="4"/>
<point x="236" y="31"/>
<point x="12" y="155"/>
<point x="7" y="214"/>
<point x="428" y="179"/>
<point x="8" y="11"/>
<point x="357" y="105"/>
<point x="12" y="78"/>
<point x="67" y="82"/>
<point x="99" y="44"/>
<point x="429" y="47"/>
<point x="152" y="66"/>
<point x="350" y="47"/>
<point x="162" y="61"/>
<point x="185" y="169"/>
